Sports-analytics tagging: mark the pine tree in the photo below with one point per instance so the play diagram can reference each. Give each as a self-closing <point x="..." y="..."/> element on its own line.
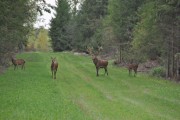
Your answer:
<point x="88" y="20"/>
<point x="58" y="30"/>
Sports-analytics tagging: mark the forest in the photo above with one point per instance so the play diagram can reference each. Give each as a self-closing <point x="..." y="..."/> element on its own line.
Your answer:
<point x="126" y="30"/>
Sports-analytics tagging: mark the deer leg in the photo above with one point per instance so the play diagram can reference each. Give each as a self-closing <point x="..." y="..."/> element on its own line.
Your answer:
<point x="135" y="72"/>
<point x="106" y="72"/>
<point x="14" y="67"/>
<point x="97" y="72"/>
<point x="54" y="74"/>
<point x="24" y="66"/>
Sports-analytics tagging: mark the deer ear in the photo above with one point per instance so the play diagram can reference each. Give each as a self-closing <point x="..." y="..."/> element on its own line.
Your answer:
<point x="51" y="58"/>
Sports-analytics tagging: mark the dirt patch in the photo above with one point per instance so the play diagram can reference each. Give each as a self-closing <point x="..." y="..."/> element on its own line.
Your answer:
<point x="80" y="53"/>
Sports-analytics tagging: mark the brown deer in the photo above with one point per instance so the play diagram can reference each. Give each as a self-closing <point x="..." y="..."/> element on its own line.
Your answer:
<point x="100" y="64"/>
<point x="17" y="62"/>
<point x="131" y="67"/>
<point x="54" y="67"/>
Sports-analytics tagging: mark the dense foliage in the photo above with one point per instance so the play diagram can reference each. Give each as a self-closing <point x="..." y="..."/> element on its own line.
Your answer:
<point x="88" y="22"/>
<point x="137" y="29"/>
<point x="156" y="34"/>
<point x="77" y="29"/>
<point x="16" y="21"/>
<point x="39" y="40"/>
<point x="58" y="30"/>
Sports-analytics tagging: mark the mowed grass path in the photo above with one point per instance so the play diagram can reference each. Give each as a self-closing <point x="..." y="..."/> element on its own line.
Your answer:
<point x="77" y="94"/>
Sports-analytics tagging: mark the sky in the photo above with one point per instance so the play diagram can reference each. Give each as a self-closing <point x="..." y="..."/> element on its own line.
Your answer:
<point x="44" y="20"/>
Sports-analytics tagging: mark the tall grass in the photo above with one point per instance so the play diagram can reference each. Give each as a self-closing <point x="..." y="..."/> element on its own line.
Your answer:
<point x="77" y="94"/>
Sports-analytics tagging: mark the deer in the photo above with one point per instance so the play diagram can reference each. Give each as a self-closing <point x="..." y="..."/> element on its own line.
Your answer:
<point x="100" y="64"/>
<point x="54" y="67"/>
<point x="131" y="67"/>
<point x="17" y="62"/>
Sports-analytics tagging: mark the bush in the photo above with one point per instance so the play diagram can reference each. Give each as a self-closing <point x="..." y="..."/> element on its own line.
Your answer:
<point x="158" y="71"/>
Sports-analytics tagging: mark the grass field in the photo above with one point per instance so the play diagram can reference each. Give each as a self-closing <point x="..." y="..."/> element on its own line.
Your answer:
<point x="77" y="94"/>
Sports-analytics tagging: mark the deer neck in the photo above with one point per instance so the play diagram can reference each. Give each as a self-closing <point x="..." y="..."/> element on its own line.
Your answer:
<point x="95" y="61"/>
<point x="13" y="60"/>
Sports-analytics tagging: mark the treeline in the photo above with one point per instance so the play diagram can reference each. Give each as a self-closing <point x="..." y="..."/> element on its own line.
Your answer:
<point x="135" y="29"/>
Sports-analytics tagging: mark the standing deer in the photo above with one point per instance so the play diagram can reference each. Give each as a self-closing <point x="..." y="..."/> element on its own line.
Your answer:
<point x="100" y="64"/>
<point x="132" y="67"/>
<point x="54" y="67"/>
<point x="17" y="62"/>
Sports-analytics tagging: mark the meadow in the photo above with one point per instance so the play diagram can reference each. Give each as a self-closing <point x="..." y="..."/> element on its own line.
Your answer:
<point x="77" y="94"/>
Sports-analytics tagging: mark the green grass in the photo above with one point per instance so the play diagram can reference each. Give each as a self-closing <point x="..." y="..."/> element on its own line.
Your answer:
<point x="77" y="94"/>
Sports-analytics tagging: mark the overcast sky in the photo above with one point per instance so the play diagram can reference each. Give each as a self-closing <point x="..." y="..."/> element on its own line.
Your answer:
<point x="44" y="20"/>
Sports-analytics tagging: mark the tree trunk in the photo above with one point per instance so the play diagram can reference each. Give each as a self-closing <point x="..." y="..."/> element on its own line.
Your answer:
<point x="168" y="61"/>
<point x="178" y="69"/>
<point x="173" y="62"/>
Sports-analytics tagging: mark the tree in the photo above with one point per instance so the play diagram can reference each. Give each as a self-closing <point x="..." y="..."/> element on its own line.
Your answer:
<point x="147" y="36"/>
<point x="123" y="18"/>
<point x="15" y="22"/>
<point x="87" y="21"/>
<point x="58" y="31"/>
<point x="157" y="32"/>
<point x="169" y="24"/>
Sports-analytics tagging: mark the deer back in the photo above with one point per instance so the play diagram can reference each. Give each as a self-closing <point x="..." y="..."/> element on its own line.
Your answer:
<point x="132" y="66"/>
<point x="18" y="61"/>
<point x="102" y="63"/>
<point x="99" y="62"/>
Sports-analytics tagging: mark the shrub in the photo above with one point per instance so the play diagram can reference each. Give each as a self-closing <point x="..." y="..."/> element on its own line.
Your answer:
<point x="158" y="71"/>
